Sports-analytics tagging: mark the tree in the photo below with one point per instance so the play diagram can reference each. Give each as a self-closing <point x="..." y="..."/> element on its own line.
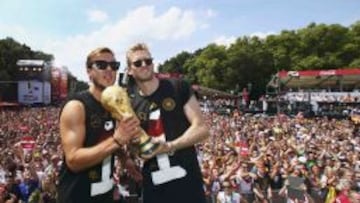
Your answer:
<point x="175" y="64"/>
<point x="254" y="60"/>
<point x="208" y="66"/>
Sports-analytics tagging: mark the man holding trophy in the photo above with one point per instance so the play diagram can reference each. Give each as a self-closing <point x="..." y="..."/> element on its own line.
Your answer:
<point x="90" y="135"/>
<point x="170" y="114"/>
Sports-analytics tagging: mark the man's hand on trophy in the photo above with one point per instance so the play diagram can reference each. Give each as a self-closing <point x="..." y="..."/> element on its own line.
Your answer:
<point x="167" y="147"/>
<point x="127" y="130"/>
<point x="162" y="148"/>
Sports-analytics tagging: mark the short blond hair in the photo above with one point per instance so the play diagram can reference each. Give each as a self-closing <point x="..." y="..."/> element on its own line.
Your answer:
<point x="134" y="48"/>
<point x="100" y="50"/>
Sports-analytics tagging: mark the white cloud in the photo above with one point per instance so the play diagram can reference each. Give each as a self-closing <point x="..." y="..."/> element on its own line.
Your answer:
<point x="173" y="24"/>
<point x="97" y="16"/>
<point x="226" y="41"/>
<point x="141" y="24"/>
<point x="14" y="31"/>
<point x="211" y="13"/>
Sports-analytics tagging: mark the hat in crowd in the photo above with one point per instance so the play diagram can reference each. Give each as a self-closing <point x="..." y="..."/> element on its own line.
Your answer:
<point x="37" y="155"/>
<point x="302" y="159"/>
<point x="311" y="164"/>
<point x="226" y="184"/>
<point x="55" y="157"/>
<point x="277" y="130"/>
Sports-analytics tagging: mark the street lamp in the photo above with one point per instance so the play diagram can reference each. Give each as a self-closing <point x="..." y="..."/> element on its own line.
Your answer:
<point x="249" y="87"/>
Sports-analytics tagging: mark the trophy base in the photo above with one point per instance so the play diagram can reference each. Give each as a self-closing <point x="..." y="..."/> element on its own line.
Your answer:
<point x="148" y="149"/>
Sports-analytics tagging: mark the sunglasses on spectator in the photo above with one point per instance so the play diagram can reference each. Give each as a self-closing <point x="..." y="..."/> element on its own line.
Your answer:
<point x="102" y="65"/>
<point x="139" y="63"/>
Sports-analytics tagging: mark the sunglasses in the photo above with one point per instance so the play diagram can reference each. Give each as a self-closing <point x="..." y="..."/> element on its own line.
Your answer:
<point x="139" y="63"/>
<point x="102" y="65"/>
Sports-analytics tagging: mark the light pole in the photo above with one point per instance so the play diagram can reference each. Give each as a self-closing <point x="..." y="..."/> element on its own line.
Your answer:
<point x="249" y="86"/>
<point x="278" y="88"/>
<point x="278" y="109"/>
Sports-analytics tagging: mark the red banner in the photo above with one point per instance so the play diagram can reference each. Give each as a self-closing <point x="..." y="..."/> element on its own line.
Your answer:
<point x="27" y="142"/>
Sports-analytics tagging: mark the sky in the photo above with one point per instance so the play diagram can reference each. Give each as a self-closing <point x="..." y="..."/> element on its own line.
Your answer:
<point x="70" y="29"/>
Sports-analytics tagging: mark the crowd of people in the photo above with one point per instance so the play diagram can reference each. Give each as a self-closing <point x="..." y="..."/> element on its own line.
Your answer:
<point x="31" y="154"/>
<point x="249" y="157"/>
<point x="260" y="156"/>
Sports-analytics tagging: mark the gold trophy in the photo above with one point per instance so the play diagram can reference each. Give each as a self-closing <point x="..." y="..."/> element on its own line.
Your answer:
<point x="116" y="100"/>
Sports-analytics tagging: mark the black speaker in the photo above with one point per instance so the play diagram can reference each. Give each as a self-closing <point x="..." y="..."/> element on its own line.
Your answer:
<point x="123" y="77"/>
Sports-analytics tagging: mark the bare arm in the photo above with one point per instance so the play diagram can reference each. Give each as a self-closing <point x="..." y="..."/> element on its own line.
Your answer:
<point x="72" y="132"/>
<point x="197" y="132"/>
<point x="258" y="193"/>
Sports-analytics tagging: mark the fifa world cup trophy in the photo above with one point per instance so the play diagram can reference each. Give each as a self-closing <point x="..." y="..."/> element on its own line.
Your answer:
<point x="116" y="100"/>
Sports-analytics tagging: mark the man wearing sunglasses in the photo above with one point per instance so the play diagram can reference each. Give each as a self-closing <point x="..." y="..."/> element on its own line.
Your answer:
<point x="169" y="112"/>
<point x="90" y="136"/>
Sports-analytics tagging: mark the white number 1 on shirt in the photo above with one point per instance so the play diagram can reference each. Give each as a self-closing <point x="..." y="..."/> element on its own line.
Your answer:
<point x="106" y="183"/>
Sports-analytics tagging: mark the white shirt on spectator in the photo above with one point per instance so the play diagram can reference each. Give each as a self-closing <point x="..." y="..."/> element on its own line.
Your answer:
<point x="234" y="197"/>
<point x="2" y="176"/>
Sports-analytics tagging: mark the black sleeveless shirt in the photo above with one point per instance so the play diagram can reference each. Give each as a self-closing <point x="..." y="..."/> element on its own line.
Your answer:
<point x="162" y="116"/>
<point x="93" y="184"/>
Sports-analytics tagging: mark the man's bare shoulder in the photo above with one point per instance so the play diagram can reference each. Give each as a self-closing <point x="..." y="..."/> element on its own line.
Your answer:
<point x="72" y="108"/>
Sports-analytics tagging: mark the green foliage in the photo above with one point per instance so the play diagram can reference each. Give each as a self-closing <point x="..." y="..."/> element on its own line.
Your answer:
<point x="355" y="63"/>
<point x="176" y="63"/>
<point x="251" y="60"/>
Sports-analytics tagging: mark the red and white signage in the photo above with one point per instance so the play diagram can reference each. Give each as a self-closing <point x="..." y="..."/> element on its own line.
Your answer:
<point x="28" y="142"/>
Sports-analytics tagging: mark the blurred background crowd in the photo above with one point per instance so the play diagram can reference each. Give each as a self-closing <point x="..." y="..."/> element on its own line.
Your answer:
<point x="248" y="158"/>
